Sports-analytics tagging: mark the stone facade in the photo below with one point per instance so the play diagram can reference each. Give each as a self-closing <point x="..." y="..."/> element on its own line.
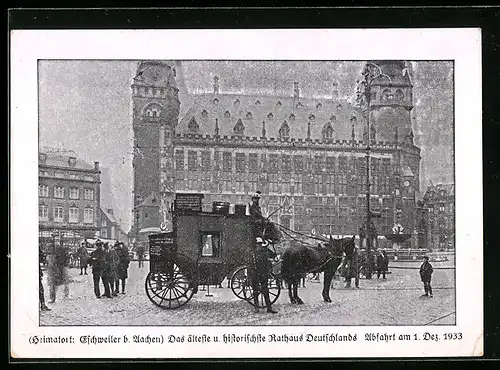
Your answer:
<point x="439" y="199"/>
<point x="68" y="196"/>
<point x="306" y="155"/>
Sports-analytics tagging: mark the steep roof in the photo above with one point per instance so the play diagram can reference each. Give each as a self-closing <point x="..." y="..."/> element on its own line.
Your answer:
<point x="274" y="111"/>
<point x="109" y="216"/>
<point x="60" y="160"/>
<point x="153" y="200"/>
<point x="448" y="189"/>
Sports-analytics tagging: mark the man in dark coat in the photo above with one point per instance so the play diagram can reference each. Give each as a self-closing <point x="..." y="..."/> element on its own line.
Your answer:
<point x="382" y="264"/>
<point x="109" y="274"/>
<point x="260" y="272"/>
<point x="124" y="262"/>
<point x="351" y="268"/>
<point x="41" y="293"/>
<point x="98" y="261"/>
<point x="140" y="255"/>
<point x="58" y="271"/>
<point x="426" y="271"/>
<point x="83" y="258"/>
<point x="256" y="214"/>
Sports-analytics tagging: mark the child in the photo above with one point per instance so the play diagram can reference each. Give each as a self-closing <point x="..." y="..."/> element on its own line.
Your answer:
<point x="425" y="275"/>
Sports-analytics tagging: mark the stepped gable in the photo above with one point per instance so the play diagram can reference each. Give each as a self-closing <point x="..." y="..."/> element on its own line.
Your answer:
<point x="155" y="73"/>
<point x="273" y="110"/>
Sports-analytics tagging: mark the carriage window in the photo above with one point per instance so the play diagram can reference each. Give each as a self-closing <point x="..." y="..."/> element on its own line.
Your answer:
<point x="210" y="244"/>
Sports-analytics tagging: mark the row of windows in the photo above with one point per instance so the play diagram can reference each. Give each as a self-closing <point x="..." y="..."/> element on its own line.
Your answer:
<point x="61" y="175"/>
<point x="318" y="184"/>
<point x="59" y="192"/>
<point x="287" y="163"/>
<point x="73" y="214"/>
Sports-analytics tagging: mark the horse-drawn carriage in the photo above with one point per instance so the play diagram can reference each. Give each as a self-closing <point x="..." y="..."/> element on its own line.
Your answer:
<point x="203" y="248"/>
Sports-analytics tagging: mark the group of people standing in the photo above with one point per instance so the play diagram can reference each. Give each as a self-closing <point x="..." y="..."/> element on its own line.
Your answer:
<point x="109" y="265"/>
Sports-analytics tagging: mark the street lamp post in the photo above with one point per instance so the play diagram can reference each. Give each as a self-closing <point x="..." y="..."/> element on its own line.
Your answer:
<point x="369" y="78"/>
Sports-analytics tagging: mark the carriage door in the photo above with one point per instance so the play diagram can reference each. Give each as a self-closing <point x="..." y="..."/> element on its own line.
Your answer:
<point x="210" y="257"/>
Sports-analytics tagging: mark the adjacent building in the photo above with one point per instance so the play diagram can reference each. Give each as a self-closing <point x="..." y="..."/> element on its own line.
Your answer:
<point x="68" y="197"/>
<point x="439" y="200"/>
<point x="306" y="155"/>
<point x="110" y="228"/>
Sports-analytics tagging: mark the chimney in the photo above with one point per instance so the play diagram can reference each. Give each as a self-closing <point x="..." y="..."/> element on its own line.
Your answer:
<point x="296" y="92"/>
<point x="216" y="85"/>
<point x="96" y="166"/>
<point x="110" y="211"/>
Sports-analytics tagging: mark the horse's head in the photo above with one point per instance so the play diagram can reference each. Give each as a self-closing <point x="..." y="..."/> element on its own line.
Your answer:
<point x="337" y="247"/>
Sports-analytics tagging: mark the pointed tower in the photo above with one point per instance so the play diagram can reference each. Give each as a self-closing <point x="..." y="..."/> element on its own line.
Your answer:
<point x="155" y="112"/>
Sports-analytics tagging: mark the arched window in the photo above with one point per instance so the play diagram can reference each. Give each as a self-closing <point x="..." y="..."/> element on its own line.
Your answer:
<point x="152" y="111"/>
<point x="312" y="117"/>
<point x="204" y="113"/>
<point x="257" y="102"/>
<point x="399" y="94"/>
<point x="284" y="131"/>
<point x="319" y="105"/>
<point x="292" y="117"/>
<point x="373" y="133"/>
<point x="249" y="115"/>
<point x="215" y="101"/>
<point x="239" y="128"/>
<point x="327" y="131"/>
<point x="385" y="95"/>
<point x="227" y="114"/>
<point x="270" y="116"/>
<point x="237" y="103"/>
<point x="193" y="126"/>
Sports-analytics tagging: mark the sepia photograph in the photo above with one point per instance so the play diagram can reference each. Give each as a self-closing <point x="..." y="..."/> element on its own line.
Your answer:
<point x="214" y="192"/>
<point x="229" y="194"/>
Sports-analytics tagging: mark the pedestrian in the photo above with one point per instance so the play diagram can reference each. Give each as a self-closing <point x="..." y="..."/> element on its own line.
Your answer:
<point x="58" y="271"/>
<point x="109" y="274"/>
<point x="97" y="261"/>
<point x="382" y="264"/>
<point x="140" y="255"/>
<point x="83" y="258"/>
<point x="426" y="271"/>
<point x="351" y="268"/>
<point x="123" y="264"/>
<point x="42" y="258"/>
<point x="260" y="272"/>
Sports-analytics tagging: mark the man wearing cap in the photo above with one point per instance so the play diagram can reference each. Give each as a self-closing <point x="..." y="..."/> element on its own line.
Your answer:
<point x="426" y="271"/>
<point x="260" y="272"/>
<point x="256" y="212"/>
<point x="97" y="261"/>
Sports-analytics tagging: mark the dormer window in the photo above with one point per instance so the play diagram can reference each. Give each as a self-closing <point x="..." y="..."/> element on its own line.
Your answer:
<point x="327" y="131"/>
<point x="270" y="116"/>
<point x="284" y="131"/>
<point x="279" y="104"/>
<point x="299" y="104"/>
<point x="339" y="106"/>
<point x="227" y="114"/>
<point x="72" y="161"/>
<point x="239" y="128"/>
<point x="237" y="103"/>
<point x="215" y="101"/>
<point x="333" y="119"/>
<point x="385" y="95"/>
<point x="400" y="95"/>
<point x="291" y="117"/>
<point x="249" y="115"/>
<point x="354" y="120"/>
<point x="319" y="105"/>
<point x="257" y="102"/>
<point x="312" y="117"/>
<point x="204" y="113"/>
<point x="193" y="126"/>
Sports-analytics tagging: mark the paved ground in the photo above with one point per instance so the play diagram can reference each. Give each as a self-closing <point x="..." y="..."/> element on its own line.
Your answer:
<point x="395" y="301"/>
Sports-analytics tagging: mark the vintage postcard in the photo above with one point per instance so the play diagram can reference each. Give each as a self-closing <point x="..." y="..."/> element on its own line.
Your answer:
<point x="246" y="193"/>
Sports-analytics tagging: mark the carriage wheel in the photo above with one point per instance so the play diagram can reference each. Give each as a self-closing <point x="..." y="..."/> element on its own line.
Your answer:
<point x="242" y="288"/>
<point x="240" y="284"/>
<point x="169" y="291"/>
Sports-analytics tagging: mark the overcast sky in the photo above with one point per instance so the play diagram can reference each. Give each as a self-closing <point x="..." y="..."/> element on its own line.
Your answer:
<point x="85" y="106"/>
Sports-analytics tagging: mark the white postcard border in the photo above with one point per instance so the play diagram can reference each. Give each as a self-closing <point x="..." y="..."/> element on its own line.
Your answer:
<point x="461" y="45"/>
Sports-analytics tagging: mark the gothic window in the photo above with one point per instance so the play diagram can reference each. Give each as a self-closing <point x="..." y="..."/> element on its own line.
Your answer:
<point x="292" y="117"/>
<point x="343" y="164"/>
<point x="152" y="111"/>
<point x="399" y="94"/>
<point x="373" y="132"/>
<point x="298" y="163"/>
<point x="179" y="160"/>
<point x="249" y="115"/>
<point x="237" y="103"/>
<point x="205" y="161"/>
<point x="385" y="95"/>
<point x="330" y="164"/>
<point x="253" y="163"/>
<point x="327" y="131"/>
<point x="204" y="113"/>
<point x="286" y="163"/>
<point x="192" y="160"/>
<point x="257" y="102"/>
<point x="270" y="116"/>
<point x="240" y="162"/>
<point x="318" y="163"/>
<point x="319" y="105"/>
<point x="273" y="163"/>
<point x="227" y="114"/>
<point x="227" y="162"/>
<point x="239" y="128"/>
<point x="284" y="131"/>
<point x="215" y="101"/>
<point x="193" y="126"/>
<point x="312" y="117"/>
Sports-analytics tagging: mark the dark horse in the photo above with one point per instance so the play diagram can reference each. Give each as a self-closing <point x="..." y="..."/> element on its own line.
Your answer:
<point x="300" y="259"/>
